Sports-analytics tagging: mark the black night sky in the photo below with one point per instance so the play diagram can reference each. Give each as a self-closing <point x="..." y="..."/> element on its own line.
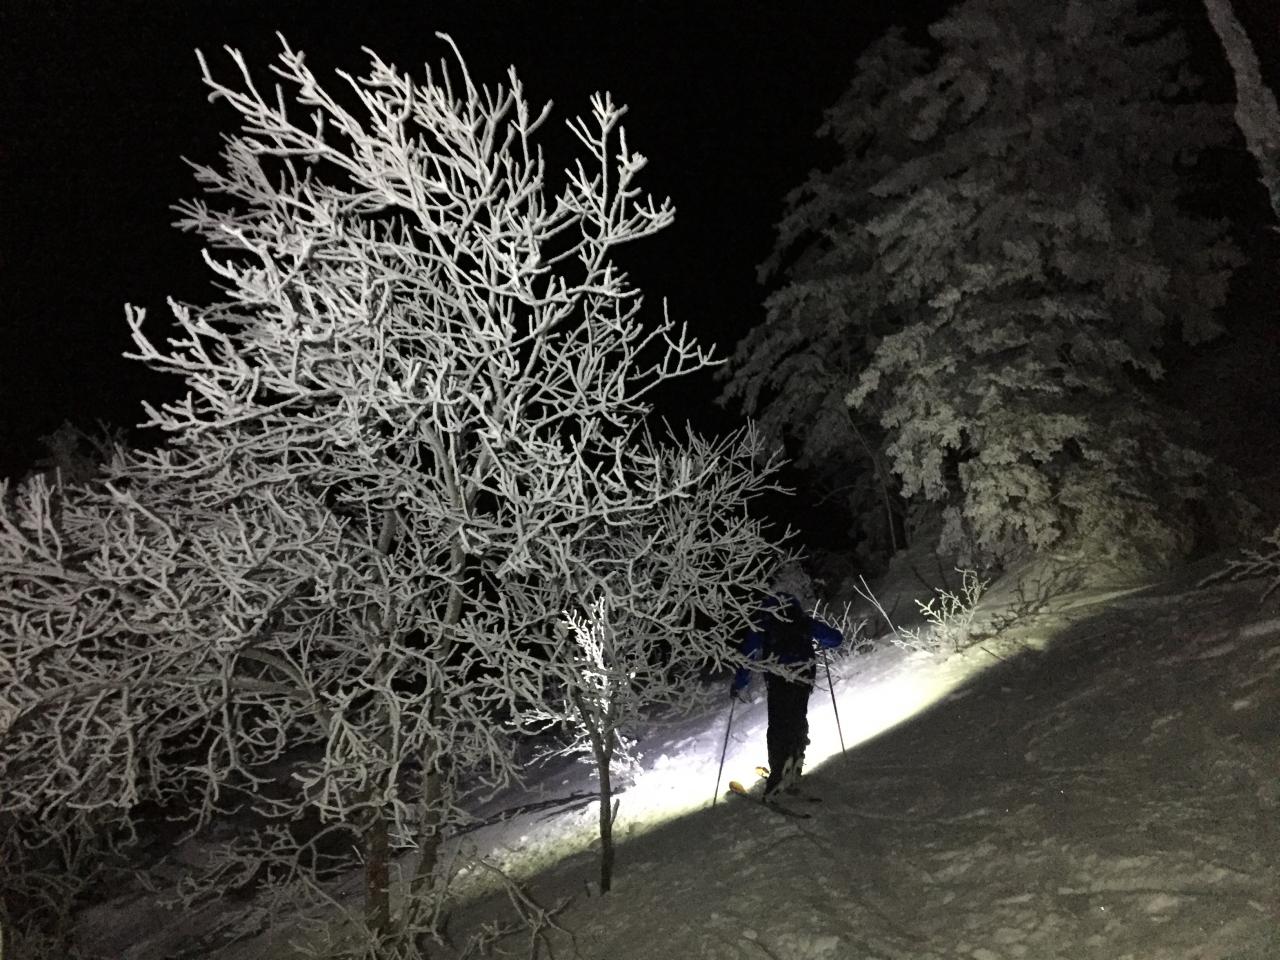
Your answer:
<point x="101" y="100"/>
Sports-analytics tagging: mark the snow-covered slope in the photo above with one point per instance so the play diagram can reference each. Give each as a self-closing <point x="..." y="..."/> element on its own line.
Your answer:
<point x="1100" y="780"/>
<point x="1113" y="795"/>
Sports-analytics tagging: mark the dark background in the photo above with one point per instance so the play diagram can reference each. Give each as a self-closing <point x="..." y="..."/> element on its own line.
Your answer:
<point x="99" y="101"/>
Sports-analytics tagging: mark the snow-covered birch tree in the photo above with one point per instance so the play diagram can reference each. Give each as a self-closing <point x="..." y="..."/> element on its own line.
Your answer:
<point x="989" y="274"/>
<point x="424" y="383"/>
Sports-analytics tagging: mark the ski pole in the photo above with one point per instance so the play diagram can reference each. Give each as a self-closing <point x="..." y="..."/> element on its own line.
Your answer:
<point x="733" y="702"/>
<point x="826" y="662"/>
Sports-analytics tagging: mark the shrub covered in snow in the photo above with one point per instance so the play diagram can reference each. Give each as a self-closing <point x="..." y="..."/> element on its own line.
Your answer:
<point x="1254" y="563"/>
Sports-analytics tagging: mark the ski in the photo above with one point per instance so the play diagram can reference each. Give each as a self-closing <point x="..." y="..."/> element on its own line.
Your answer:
<point x="737" y="789"/>
<point x="786" y="811"/>
<point x="763" y="774"/>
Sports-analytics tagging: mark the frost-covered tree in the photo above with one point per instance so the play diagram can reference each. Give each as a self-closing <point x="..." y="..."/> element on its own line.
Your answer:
<point x="415" y="411"/>
<point x="792" y="372"/>
<point x="1258" y="117"/>
<point x="653" y="604"/>
<point x="135" y="664"/>
<point x="1257" y="113"/>
<point x="989" y="273"/>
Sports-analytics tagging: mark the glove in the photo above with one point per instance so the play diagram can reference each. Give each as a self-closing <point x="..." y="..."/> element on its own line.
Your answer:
<point x="739" y="694"/>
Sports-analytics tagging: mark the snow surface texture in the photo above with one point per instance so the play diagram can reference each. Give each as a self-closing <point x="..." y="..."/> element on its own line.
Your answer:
<point x="1101" y="780"/>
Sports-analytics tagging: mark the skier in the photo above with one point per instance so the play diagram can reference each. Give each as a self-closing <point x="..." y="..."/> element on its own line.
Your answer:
<point x="782" y="633"/>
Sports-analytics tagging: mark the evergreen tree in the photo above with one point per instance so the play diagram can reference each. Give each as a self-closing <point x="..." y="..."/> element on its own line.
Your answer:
<point x="991" y="270"/>
<point x="793" y="371"/>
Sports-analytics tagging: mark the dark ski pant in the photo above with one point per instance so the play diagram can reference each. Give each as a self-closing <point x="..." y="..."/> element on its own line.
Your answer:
<point x="788" y="727"/>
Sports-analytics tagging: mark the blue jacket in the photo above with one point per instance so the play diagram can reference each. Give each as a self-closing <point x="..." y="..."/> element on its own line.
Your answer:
<point x="753" y="643"/>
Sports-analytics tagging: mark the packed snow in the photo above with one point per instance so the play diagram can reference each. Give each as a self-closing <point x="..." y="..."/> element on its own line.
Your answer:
<point x="1097" y="779"/>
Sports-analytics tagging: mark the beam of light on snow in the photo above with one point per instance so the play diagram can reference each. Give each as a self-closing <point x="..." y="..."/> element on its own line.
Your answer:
<point x="874" y="693"/>
<point x="872" y="706"/>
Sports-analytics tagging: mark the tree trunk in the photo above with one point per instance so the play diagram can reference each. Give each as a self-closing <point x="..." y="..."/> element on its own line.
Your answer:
<point x="606" y="825"/>
<point x="600" y="732"/>
<point x="377" y="845"/>
<point x="377" y="885"/>
<point x="883" y="482"/>
<point x="421" y="907"/>
<point x="431" y="799"/>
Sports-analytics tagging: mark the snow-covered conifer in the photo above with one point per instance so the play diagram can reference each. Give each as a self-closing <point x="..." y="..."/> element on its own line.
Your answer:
<point x="989" y="273"/>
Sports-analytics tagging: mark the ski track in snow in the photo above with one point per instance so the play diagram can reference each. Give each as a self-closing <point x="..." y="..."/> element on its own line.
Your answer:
<point x="1102" y="781"/>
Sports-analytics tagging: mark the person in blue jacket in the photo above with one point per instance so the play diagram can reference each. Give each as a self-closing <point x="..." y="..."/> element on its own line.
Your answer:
<point x="782" y="633"/>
